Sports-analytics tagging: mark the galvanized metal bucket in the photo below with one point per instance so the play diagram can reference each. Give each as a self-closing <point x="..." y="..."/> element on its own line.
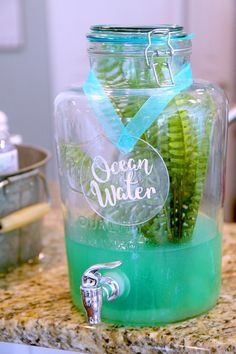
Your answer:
<point x="24" y="200"/>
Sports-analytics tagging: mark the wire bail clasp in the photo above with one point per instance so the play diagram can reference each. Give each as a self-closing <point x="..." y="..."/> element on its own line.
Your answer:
<point x="158" y="53"/>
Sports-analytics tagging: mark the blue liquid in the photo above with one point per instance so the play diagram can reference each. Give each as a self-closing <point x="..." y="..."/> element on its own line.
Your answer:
<point x="167" y="283"/>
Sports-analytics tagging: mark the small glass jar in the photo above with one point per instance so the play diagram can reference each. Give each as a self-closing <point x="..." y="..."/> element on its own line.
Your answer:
<point x="141" y="151"/>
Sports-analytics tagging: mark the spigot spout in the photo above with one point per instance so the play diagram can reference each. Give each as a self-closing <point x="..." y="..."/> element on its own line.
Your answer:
<point x="92" y="288"/>
<point x="92" y="301"/>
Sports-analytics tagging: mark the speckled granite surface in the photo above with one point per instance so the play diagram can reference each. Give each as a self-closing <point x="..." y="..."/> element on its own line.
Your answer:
<point x="35" y="308"/>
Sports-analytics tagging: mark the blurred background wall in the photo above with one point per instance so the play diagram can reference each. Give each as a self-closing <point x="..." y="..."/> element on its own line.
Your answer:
<point x="68" y="27"/>
<point x="25" y="81"/>
<point x="53" y="56"/>
<point x="212" y="21"/>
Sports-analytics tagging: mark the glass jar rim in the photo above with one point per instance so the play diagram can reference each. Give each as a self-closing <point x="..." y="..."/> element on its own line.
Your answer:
<point x="136" y="34"/>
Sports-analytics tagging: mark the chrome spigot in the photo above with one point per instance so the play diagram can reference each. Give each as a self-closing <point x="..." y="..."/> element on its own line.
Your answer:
<point x="92" y="288"/>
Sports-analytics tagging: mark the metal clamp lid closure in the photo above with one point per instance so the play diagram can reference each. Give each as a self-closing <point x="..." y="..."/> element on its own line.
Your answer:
<point x="158" y="53"/>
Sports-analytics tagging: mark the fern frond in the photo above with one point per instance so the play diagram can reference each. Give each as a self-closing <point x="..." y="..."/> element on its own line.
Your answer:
<point x="182" y="136"/>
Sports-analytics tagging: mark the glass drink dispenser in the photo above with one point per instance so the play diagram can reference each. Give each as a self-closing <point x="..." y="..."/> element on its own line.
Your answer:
<point x="141" y="149"/>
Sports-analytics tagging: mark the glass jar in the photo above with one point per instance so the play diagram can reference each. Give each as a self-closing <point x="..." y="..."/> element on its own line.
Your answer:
<point x="141" y="151"/>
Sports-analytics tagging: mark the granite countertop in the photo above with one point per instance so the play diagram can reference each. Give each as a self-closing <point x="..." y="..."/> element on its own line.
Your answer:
<point x="35" y="308"/>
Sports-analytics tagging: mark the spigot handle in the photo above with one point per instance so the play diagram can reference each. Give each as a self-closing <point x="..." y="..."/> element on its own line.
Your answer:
<point x="93" y="285"/>
<point x="89" y="273"/>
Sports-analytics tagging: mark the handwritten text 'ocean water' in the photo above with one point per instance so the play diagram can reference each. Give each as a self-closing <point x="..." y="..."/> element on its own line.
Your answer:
<point x="131" y="175"/>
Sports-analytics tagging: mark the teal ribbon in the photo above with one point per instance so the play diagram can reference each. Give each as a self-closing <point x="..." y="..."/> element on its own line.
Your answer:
<point x="125" y="137"/>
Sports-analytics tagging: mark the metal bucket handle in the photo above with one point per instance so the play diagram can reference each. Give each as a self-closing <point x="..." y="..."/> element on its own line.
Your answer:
<point x="28" y="214"/>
